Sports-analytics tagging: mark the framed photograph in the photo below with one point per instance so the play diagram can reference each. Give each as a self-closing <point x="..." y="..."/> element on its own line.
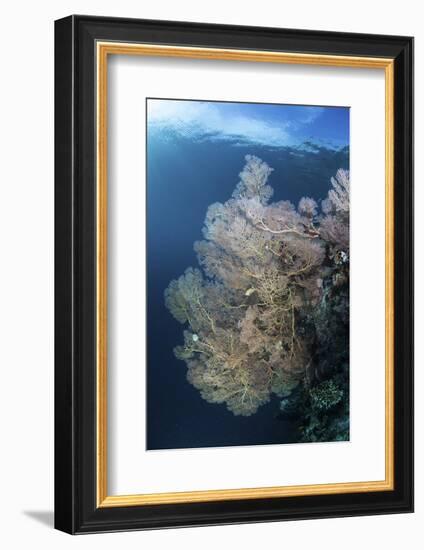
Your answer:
<point x="233" y="274"/>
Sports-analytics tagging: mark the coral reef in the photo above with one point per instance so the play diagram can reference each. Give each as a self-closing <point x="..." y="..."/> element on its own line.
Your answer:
<point x="267" y="313"/>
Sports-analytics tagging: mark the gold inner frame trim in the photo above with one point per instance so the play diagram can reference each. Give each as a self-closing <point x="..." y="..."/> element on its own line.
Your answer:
<point x="103" y="50"/>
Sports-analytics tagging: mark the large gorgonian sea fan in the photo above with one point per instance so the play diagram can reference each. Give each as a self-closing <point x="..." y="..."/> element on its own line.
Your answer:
<point x="262" y="270"/>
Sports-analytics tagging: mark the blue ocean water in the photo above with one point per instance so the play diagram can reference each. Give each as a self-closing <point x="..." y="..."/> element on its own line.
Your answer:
<point x="184" y="177"/>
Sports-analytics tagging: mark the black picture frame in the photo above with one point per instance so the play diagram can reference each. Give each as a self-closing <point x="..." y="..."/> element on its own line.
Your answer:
<point x="76" y="509"/>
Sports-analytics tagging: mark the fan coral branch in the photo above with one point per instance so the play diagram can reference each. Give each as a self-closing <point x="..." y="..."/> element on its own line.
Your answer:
<point x="263" y="266"/>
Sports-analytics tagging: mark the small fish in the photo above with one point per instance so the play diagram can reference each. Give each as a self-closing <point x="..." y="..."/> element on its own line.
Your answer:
<point x="249" y="291"/>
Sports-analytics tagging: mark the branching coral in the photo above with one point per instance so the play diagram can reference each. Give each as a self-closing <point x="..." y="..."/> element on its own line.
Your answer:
<point x="263" y="266"/>
<point x="339" y="195"/>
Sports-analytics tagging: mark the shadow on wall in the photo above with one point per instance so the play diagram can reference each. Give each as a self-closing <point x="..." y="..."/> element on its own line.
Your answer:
<point x="46" y="517"/>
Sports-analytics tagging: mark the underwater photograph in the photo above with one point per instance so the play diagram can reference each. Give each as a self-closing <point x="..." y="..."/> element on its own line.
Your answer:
<point x="247" y="273"/>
